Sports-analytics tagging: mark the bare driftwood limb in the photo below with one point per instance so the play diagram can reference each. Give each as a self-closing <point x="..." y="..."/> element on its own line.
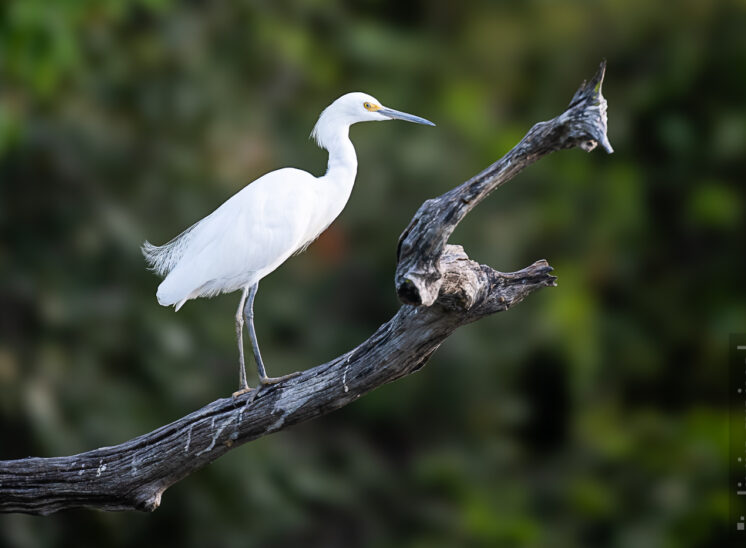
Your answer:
<point x="442" y="289"/>
<point x="418" y="273"/>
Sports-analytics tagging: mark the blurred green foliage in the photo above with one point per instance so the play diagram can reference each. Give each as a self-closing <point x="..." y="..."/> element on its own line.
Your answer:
<point x="593" y="414"/>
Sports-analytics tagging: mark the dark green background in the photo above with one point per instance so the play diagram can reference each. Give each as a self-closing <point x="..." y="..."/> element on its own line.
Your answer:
<point x="593" y="414"/>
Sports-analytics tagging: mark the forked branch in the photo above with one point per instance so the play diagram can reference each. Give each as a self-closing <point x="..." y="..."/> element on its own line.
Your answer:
<point x="442" y="289"/>
<point x="583" y="124"/>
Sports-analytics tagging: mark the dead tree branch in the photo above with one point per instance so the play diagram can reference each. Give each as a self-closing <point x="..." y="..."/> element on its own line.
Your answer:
<point x="441" y="289"/>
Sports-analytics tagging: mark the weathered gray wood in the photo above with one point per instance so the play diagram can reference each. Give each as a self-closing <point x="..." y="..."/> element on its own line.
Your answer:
<point x="583" y="124"/>
<point x="443" y="290"/>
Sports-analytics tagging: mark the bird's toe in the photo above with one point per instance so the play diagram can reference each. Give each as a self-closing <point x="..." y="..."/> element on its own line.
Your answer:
<point x="275" y="380"/>
<point x="242" y="391"/>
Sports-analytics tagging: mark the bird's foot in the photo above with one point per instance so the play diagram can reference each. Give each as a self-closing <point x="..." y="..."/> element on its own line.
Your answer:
<point x="275" y="380"/>
<point x="242" y="391"/>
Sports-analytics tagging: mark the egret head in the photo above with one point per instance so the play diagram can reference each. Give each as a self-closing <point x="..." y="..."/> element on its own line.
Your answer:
<point x="352" y="108"/>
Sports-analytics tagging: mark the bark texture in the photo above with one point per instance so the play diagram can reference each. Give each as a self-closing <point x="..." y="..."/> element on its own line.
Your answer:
<point x="441" y="289"/>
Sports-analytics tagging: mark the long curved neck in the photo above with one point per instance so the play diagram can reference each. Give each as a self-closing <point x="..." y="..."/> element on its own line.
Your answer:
<point x="332" y="132"/>
<point x="342" y="166"/>
<point x="336" y="184"/>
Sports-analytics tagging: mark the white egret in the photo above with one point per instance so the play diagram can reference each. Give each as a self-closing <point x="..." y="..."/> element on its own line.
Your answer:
<point x="266" y="222"/>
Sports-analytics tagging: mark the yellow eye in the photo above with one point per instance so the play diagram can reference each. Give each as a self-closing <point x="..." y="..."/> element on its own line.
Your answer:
<point x="370" y="106"/>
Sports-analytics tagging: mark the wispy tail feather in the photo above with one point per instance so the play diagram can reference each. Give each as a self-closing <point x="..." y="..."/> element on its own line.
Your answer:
<point x="151" y="252"/>
<point x="162" y="259"/>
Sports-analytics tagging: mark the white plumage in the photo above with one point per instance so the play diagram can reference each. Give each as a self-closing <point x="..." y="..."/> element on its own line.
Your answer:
<point x="258" y="228"/>
<point x="247" y="237"/>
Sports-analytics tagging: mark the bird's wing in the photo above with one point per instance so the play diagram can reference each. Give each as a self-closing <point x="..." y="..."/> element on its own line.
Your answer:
<point x="249" y="235"/>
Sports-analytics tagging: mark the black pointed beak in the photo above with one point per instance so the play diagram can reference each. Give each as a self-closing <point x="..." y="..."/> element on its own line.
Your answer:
<point x="397" y="115"/>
